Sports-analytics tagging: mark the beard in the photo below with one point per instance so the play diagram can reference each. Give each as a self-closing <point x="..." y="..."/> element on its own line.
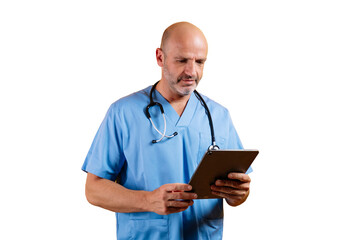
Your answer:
<point x="182" y="85"/>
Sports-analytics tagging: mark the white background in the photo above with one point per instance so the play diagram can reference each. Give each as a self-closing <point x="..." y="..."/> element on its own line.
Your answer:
<point x="286" y="70"/>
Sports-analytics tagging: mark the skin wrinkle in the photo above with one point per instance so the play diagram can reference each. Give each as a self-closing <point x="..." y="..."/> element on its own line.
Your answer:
<point x="182" y="56"/>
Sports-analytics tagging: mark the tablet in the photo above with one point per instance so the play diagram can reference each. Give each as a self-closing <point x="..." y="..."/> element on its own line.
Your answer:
<point x="217" y="164"/>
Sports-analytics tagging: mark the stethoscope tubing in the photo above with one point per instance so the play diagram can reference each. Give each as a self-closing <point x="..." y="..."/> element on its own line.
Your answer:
<point x="213" y="146"/>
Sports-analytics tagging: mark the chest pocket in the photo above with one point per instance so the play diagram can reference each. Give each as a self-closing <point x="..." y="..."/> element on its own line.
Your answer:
<point x="205" y="142"/>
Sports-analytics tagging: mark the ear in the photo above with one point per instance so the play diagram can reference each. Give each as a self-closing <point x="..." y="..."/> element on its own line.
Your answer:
<point x="160" y="57"/>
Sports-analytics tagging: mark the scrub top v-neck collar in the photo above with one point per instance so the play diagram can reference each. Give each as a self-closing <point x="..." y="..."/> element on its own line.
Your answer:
<point x="188" y="113"/>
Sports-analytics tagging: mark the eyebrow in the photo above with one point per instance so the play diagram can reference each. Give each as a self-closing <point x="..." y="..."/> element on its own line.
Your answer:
<point x="196" y="59"/>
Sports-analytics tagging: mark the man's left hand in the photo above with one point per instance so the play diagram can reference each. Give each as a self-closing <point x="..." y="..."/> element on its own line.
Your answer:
<point x="235" y="189"/>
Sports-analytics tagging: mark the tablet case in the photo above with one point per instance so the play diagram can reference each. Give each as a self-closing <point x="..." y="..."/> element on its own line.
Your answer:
<point x="217" y="164"/>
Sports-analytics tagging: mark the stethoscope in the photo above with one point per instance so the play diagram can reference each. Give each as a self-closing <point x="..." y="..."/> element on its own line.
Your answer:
<point x="213" y="146"/>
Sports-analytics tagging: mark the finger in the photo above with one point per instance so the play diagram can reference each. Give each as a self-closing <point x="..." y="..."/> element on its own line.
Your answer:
<point x="229" y="190"/>
<point x="182" y="195"/>
<point x="177" y="187"/>
<point x="175" y="210"/>
<point x="239" y="176"/>
<point x="233" y="184"/>
<point x="226" y="195"/>
<point x="179" y="204"/>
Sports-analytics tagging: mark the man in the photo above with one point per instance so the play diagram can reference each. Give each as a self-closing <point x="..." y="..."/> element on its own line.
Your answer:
<point x="150" y="195"/>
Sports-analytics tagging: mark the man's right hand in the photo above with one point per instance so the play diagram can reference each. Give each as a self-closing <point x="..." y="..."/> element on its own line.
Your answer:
<point x="170" y="198"/>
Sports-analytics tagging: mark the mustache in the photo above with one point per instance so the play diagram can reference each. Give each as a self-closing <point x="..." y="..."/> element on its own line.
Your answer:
<point x="187" y="77"/>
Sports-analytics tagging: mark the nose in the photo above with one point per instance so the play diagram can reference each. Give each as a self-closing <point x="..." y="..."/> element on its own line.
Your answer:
<point x="190" y="68"/>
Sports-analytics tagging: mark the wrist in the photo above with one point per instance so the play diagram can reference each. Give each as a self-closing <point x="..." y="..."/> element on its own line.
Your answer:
<point x="145" y="201"/>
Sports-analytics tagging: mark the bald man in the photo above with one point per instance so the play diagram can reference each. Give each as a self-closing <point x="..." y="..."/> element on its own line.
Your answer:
<point x="140" y="162"/>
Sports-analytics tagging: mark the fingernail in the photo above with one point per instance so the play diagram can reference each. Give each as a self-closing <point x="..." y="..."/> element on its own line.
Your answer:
<point x="195" y="195"/>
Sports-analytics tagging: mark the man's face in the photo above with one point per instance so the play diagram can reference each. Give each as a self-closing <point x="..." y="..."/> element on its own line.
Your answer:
<point x="183" y="64"/>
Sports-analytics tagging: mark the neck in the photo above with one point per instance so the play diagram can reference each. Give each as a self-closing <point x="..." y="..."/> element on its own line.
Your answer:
<point x="176" y="101"/>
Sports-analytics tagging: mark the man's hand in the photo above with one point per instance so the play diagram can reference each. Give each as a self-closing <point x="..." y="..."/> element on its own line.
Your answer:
<point x="170" y="198"/>
<point x="235" y="189"/>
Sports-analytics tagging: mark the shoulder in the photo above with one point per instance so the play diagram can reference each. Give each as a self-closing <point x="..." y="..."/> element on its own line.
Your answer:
<point x="214" y="107"/>
<point x="132" y="101"/>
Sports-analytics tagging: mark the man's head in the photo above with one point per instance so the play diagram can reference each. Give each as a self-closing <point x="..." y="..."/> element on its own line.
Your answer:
<point x="182" y="55"/>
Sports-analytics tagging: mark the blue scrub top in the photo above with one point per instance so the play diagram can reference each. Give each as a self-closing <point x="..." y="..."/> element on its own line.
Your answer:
<point x="123" y="148"/>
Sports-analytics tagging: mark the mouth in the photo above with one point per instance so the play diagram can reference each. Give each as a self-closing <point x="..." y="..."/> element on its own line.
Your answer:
<point x="188" y="81"/>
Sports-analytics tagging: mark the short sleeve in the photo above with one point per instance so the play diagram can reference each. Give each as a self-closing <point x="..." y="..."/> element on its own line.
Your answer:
<point x="105" y="158"/>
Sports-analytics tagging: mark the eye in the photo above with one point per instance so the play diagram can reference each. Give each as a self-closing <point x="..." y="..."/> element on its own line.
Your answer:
<point x="201" y="61"/>
<point x="184" y="60"/>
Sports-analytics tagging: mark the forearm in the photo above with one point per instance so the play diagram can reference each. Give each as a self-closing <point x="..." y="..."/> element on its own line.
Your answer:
<point x="114" y="197"/>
